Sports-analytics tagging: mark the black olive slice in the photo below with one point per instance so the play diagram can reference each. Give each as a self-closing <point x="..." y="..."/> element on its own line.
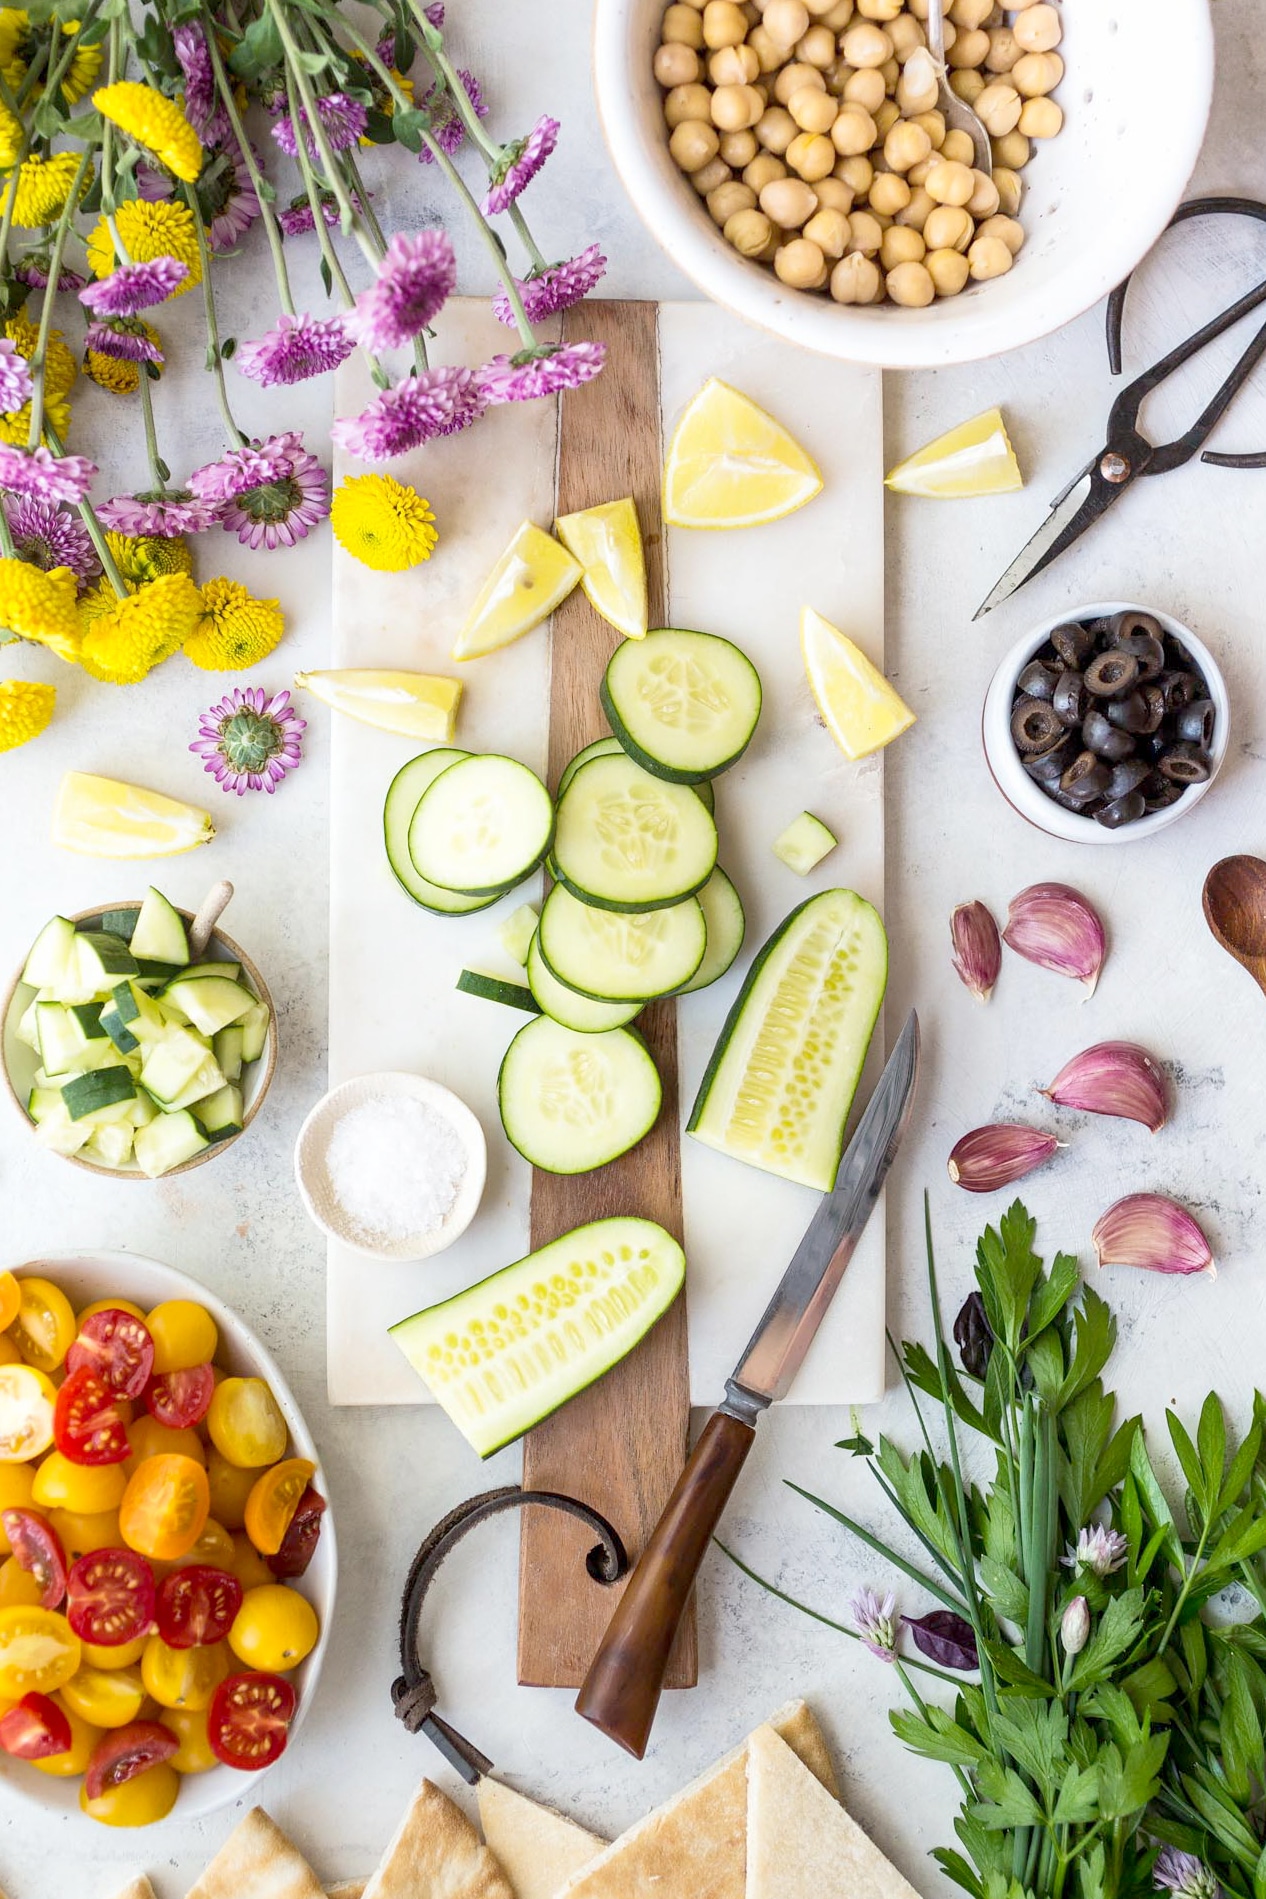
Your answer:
<point x="1104" y="738"/>
<point x="1038" y="681"/>
<point x="1130" y="775"/>
<point x="1194" y="723"/>
<point x="1124" y="626"/>
<point x="1034" y="725"/>
<point x="1047" y="768"/>
<point x="1110" y="674"/>
<point x="1180" y="689"/>
<point x="1154" y="700"/>
<point x="1184" y="764"/>
<point x="1149" y="653"/>
<point x="1131" y="713"/>
<point x="1087" y="777"/>
<point x="1119" y="811"/>
<point x="1070" y="698"/>
<point x="1073" y="643"/>
<point x="1159" y="793"/>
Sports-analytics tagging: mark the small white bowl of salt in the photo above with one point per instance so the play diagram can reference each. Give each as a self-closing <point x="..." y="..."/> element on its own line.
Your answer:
<point x="392" y="1165"/>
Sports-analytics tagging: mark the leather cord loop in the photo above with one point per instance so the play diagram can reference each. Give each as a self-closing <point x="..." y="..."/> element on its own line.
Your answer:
<point x="413" y="1692"/>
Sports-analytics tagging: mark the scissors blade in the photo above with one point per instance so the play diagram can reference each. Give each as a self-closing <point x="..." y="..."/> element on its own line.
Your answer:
<point x="1082" y="503"/>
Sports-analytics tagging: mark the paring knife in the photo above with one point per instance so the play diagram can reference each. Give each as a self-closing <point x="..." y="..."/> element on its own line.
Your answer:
<point x="622" y="1689"/>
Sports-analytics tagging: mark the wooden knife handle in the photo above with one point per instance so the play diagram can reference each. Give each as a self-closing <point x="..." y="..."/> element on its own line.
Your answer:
<point x="622" y="1689"/>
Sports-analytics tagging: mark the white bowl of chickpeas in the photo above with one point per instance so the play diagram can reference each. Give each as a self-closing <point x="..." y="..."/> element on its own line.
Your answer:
<point x="791" y="156"/>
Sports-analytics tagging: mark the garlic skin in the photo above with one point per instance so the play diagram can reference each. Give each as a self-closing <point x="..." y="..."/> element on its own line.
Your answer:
<point x="1054" y="926"/>
<point x="977" y="948"/>
<point x="1118" y="1078"/>
<point x="993" y="1157"/>
<point x="1153" y="1232"/>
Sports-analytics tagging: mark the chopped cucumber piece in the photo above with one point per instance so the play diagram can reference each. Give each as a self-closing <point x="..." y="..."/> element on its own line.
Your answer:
<point x="779" y="1086"/>
<point x="152" y="971"/>
<point x="723" y="913"/>
<point x="144" y="1108"/>
<point x="804" y="843"/>
<point x="26" y="1031"/>
<point x="160" y="931"/>
<point x="220" y="1115"/>
<point x="170" y="1065"/>
<point x="683" y="705"/>
<point x="481" y="826"/>
<point x="473" y="982"/>
<point x="620" y="958"/>
<point x="254" y="1026"/>
<point x="583" y="1013"/>
<point x="88" y="1016"/>
<point x="101" y="959"/>
<point x="232" y="972"/>
<point x="206" y="1080"/>
<point x="516" y="933"/>
<point x="403" y="797"/>
<point x="104" y="1088"/>
<point x="166" y="1142"/>
<point x="630" y="841"/>
<point x="117" y="1030"/>
<point x="580" y="1305"/>
<point x="52" y="955"/>
<point x="571" y="1102"/>
<point x="64" y="1048"/>
<point x="120" y="922"/>
<point x="111" y="1144"/>
<point x="228" y="1051"/>
<point x="210" y="1002"/>
<point x="54" y="1128"/>
<point x="601" y="748"/>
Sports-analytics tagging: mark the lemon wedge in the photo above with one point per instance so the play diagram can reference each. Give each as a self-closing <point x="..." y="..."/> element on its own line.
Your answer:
<point x="421" y="705"/>
<point x="976" y="458"/>
<point x="104" y="817"/>
<point x="531" y="578"/>
<point x="862" y="711"/>
<point x="730" y="465"/>
<point x="607" y="542"/>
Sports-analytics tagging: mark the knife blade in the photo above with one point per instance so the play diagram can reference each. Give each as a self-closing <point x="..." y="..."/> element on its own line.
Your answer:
<point x="622" y="1688"/>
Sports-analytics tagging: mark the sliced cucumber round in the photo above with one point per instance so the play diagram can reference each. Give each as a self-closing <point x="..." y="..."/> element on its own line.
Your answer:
<point x="572" y="1102"/>
<point x="481" y="826"/>
<point x="403" y="797"/>
<point x="583" y="1013"/>
<point x="619" y="958"/>
<point x="683" y="705"/>
<point x="629" y="841"/>
<point x="723" y="913"/>
<point x="601" y="748"/>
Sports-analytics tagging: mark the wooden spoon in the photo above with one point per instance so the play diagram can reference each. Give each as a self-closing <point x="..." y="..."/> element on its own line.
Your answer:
<point x="1235" y="910"/>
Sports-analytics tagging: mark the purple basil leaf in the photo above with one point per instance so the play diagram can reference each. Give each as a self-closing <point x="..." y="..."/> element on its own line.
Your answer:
<point x="945" y="1638"/>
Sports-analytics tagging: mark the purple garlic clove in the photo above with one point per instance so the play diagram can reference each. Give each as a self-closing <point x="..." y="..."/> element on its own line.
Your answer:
<point x="993" y="1157"/>
<point x="1054" y="926"/>
<point x="1113" y="1078"/>
<point x="1153" y="1232"/>
<point x="977" y="948"/>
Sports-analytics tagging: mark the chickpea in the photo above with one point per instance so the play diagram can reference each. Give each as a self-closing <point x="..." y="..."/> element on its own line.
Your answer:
<point x="681" y="27"/>
<point x="1004" y="50"/>
<point x="795" y="76"/>
<point x="830" y="231"/>
<point x="1013" y="150"/>
<point x="786" y="21"/>
<point x="889" y="72"/>
<point x="970" y="14"/>
<point x="723" y="24"/>
<point x="738" y="148"/>
<point x="1010" y="190"/>
<point x="907" y="37"/>
<point x="709" y="176"/>
<point x="866" y="233"/>
<point x="1041" y="118"/>
<point x="817" y="48"/>
<point x="693" y="144"/>
<point x="951" y="182"/>
<point x="901" y="245"/>
<point x="788" y="202"/>
<point x="800" y="264"/>
<point x="775" y="129"/>
<point x="905" y="145"/>
<point x="969" y="49"/>
<point x="728" y="199"/>
<point x="881" y="10"/>
<point x="750" y="12"/>
<point x="866" y="89"/>
<point x="819" y="9"/>
<point x="1010" y="230"/>
<point x="766" y="49"/>
<point x="1036" y="74"/>
<point x="749" y="232"/>
<point x="958" y="146"/>
<point x="736" y="108"/>
<point x="911" y="284"/>
<point x="812" y="109"/>
<point x="968" y="86"/>
<point x="949" y="271"/>
<point x="833" y="194"/>
<point x="933" y="124"/>
<point x="889" y="194"/>
<point x="686" y="102"/>
<point x="857" y="172"/>
<point x="676" y="65"/>
<point x="812" y="155"/>
<point x="918" y="211"/>
<point x="762" y="171"/>
<point x="985" y="199"/>
<point x="854" y="131"/>
<point x="918" y="88"/>
<point x="949" y="228"/>
<point x="864" y="44"/>
<point x="886" y="117"/>
<point x="838" y="17"/>
<point x="998" y="108"/>
<point x="989" y="257"/>
<point x="856" y="279"/>
<point x="698" y="5"/>
<point x="1038" y="29"/>
<point x="733" y="66"/>
<point x="917" y="176"/>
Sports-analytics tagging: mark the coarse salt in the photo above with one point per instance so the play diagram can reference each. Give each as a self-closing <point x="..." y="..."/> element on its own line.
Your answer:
<point x="395" y="1166"/>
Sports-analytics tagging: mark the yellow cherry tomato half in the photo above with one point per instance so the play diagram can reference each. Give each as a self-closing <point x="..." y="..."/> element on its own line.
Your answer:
<point x="108" y="1305"/>
<point x="83" y="1738"/>
<point x="16" y="1481"/>
<point x="122" y="1655"/>
<point x="10" y="1299"/>
<point x="9" y="1353"/>
<point x="274" y="1500"/>
<point x="105" y="1697"/>
<point x="19" y="1588"/>
<point x="27" y="1397"/>
<point x="246" y="1424"/>
<point x="165" y="1507"/>
<point x="149" y="1438"/>
<point x="230" y="1488"/>
<point x="38" y="1652"/>
<point x="87" y="1489"/>
<point x="189" y="1725"/>
<point x="184" y="1335"/>
<point x="140" y="1801"/>
<point x="275" y="1629"/>
<point x="214" y="1546"/>
<point x="81" y="1531"/>
<point x="183" y="1677"/>
<point x="248" y="1565"/>
<point x="44" y="1329"/>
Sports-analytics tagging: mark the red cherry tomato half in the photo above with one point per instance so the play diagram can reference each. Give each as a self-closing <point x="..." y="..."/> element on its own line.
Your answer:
<point x="88" y="1426"/>
<point x="249" y="1720"/>
<point x="110" y="1597"/>
<point x="37" y="1548"/>
<point x="126" y="1752"/>
<point x="34" y="1728"/>
<point x="298" y="1545"/>
<point x="197" y="1605"/>
<point x="118" y="1348"/>
<point x="179" y="1399"/>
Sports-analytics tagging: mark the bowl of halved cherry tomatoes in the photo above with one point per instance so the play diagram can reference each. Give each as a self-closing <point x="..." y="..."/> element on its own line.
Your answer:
<point x="167" y="1560"/>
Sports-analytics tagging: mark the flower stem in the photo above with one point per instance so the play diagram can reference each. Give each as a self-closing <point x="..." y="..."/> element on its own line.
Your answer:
<point x="215" y="359"/>
<point x="297" y="80"/>
<point x="263" y="190"/>
<point x="11" y="192"/>
<point x="50" y="295"/>
<point x="30" y="78"/>
<point x="61" y="65"/>
<point x="312" y="187"/>
<point x="96" y="533"/>
<point x="157" y="467"/>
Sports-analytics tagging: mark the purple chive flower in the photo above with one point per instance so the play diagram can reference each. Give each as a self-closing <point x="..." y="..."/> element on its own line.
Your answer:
<point x="343" y="119"/>
<point x="1184" y="1875"/>
<point x="235" y="200"/>
<point x="876" y="1621"/>
<point x="133" y="287"/>
<point x="191" y="50"/>
<point x="32" y="269"/>
<point x="43" y="476"/>
<point x="555" y="288"/>
<point x="295" y="348"/>
<point x="271" y="493"/>
<point x="297" y="219"/>
<point x="541" y="371"/>
<point x="15" y="376"/>
<point x="248" y="742"/>
<point x="519" y="164"/>
<point x="434" y="402"/>
<point x="435" y="14"/>
<point x="124" y="339"/>
<point x="444" y="119"/>
<point x="1099" y="1552"/>
<point x="48" y="537"/>
<point x="414" y="280"/>
<point x="162" y="512"/>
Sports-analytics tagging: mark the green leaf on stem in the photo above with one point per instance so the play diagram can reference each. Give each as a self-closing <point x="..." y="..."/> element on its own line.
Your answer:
<point x="1241" y="1470"/>
<point x="1006" y="1802"/>
<point x="1053" y="1292"/>
<point x="1035" y="1734"/>
<point x="1153" y="1498"/>
<point x="1009" y="1595"/>
<point x="259" y="50"/>
<point x="1188" y="1459"/>
<point x="1126" y="1785"/>
<point x="1077" y="1802"/>
<point x="1094" y="1335"/>
<point x="936" y="1737"/>
<point x="956" y="1868"/>
<point x="1149" y="1688"/>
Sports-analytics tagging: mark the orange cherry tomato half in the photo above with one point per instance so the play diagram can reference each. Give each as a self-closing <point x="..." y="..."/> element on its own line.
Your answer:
<point x="10" y="1299"/>
<point x="123" y="1753"/>
<point x="249" y="1720"/>
<point x="116" y="1345"/>
<point x="110" y="1598"/>
<point x="34" y="1728"/>
<point x="88" y="1425"/>
<point x="44" y="1329"/>
<point x="37" y="1548"/>
<point x="273" y="1502"/>
<point x="165" y="1507"/>
<point x="298" y="1546"/>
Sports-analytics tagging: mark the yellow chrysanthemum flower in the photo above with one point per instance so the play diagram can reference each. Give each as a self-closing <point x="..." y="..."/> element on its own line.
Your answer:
<point x="60" y="368"/>
<point x="235" y="630"/>
<point x="382" y="523"/>
<point x="141" y="558"/>
<point x="43" y="187"/>
<point x="120" y="377"/>
<point x="10" y="139"/>
<point x="148" y="230"/>
<point x="40" y="606"/>
<point x="18" y="42"/>
<point x="16" y="426"/>
<point x="26" y="706"/>
<point x="155" y="122"/>
<point x="125" y="639"/>
<point x="383" y="97"/>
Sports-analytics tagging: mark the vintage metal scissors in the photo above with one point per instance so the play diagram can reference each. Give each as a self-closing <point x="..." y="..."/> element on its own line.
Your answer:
<point x="1128" y="454"/>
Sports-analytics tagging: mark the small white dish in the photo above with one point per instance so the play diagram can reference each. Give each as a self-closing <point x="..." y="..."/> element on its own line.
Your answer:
<point x="316" y="1189"/>
<point x="1028" y="798"/>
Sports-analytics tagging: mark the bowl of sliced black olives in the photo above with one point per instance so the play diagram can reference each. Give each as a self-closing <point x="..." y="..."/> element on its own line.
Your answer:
<point x="1106" y="723"/>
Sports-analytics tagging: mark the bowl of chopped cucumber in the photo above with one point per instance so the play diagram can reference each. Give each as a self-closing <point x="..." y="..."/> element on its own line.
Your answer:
<point x="127" y="1053"/>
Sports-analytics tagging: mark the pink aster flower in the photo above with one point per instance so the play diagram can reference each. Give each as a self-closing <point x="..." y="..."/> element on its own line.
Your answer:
<point x="434" y="402"/>
<point x="295" y="348"/>
<point x="343" y="119"/>
<point x="151" y="183"/>
<point x="48" y="537"/>
<point x="557" y="287"/>
<point x="32" y="269"/>
<point x="43" y="476"/>
<point x="123" y="338"/>
<point x="414" y="280"/>
<point x="297" y="219"/>
<point x="876" y="1622"/>
<point x="248" y="742"/>
<point x="247" y="465"/>
<point x="234" y="202"/>
<point x="541" y="371"/>
<point x="271" y="493"/>
<point x="444" y="119"/>
<point x="15" y="376"/>
<point x="201" y="103"/>
<point x="519" y="164"/>
<point x="162" y="512"/>
<point x="133" y="287"/>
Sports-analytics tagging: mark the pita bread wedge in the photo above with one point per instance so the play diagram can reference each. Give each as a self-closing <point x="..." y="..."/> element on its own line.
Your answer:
<point x="257" y="1861"/>
<point x="536" y="1848"/>
<point x="347" y="1889"/>
<point x="436" y="1854"/>
<point x="695" y="1845"/>
<point x="138" y="1888"/>
<point x="801" y="1844"/>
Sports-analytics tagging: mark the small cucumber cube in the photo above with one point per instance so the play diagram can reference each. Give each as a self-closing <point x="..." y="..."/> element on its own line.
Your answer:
<point x="118" y="1031"/>
<point x="60" y="1042"/>
<point x="210" y="1002"/>
<point x="208" y="1080"/>
<point x="143" y="1108"/>
<point x="171" y="1064"/>
<point x="120" y="922"/>
<point x="254" y="1026"/>
<point x="105" y="1088"/>
<point x="51" y="955"/>
<point x="154" y="971"/>
<point x="516" y="933"/>
<point x="804" y="843"/>
<point x="26" y="1031"/>
<point x="160" y="931"/>
<point x="110" y="1144"/>
<point x="54" y="1128"/>
<point x="228" y="1051"/>
<point x="88" y="1016"/>
<point x="166" y="1142"/>
<point x="45" y="1104"/>
<point x="220" y="1115"/>
<point x="104" y="959"/>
